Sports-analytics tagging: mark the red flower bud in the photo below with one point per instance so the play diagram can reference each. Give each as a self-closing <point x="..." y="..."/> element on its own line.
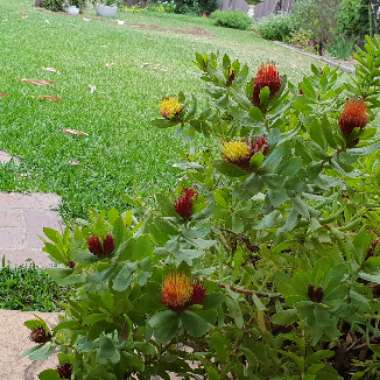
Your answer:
<point x="184" y="204"/>
<point x="315" y="293"/>
<point x="354" y="115"/>
<point x="266" y="76"/>
<point x="65" y="371"/>
<point x="39" y="335"/>
<point x="260" y="145"/>
<point x="95" y="246"/>
<point x="108" y="245"/>
<point x="199" y="293"/>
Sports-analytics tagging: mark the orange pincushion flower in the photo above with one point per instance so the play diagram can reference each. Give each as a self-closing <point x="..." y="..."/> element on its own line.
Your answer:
<point x="267" y="76"/>
<point x="354" y="115"/>
<point x="177" y="291"/>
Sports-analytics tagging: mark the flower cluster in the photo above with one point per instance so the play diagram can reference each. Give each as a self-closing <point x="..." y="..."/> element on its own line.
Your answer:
<point x="184" y="204"/>
<point x="240" y="152"/>
<point x="267" y="76"/>
<point x="171" y="108"/>
<point x="101" y="247"/>
<point x="178" y="292"/>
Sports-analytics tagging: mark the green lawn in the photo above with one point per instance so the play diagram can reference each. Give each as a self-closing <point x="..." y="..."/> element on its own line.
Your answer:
<point x="123" y="152"/>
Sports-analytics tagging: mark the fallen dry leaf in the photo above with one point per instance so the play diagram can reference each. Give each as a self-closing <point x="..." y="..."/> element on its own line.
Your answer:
<point x="3" y="94"/>
<point x="109" y="65"/>
<point x="74" y="132"/>
<point x="74" y="162"/>
<point x="50" y="69"/>
<point x="37" y="82"/>
<point x="120" y="22"/>
<point x="50" y="98"/>
<point x="92" y="88"/>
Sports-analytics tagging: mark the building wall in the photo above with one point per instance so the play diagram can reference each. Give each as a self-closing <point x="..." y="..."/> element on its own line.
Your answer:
<point x="268" y="7"/>
<point x="236" y="5"/>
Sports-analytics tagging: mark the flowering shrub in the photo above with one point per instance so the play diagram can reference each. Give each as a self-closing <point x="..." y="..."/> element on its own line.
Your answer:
<point x="266" y="262"/>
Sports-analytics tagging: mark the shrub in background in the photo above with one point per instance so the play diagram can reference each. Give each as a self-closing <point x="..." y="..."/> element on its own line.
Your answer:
<point x="197" y="7"/>
<point x="232" y="19"/>
<point x="276" y="27"/>
<point x="264" y="263"/>
<point x="302" y="39"/>
<point x="187" y="7"/>
<point x="81" y="4"/>
<point x="353" y="19"/>
<point x="319" y="17"/>
<point x="53" y="5"/>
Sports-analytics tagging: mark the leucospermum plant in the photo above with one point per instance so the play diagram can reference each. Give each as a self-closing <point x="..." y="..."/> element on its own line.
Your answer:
<point x="264" y="265"/>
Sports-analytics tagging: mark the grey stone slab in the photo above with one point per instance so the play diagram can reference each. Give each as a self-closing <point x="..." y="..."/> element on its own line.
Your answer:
<point x="14" y="339"/>
<point x="22" y="219"/>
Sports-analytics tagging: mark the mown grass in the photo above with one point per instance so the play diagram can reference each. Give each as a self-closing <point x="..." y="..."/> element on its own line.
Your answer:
<point x="123" y="152"/>
<point x="29" y="288"/>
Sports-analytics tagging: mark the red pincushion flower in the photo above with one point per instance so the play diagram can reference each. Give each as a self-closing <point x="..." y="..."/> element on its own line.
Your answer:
<point x="108" y="245"/>
<point x="354" y="115"/>
<point x="94" y="245"/>
<point x="184" y="204"/>
<point x="260" y="144"/>
<point x="64" y="371"/>
<point x="199" y="294"/>
<point x="266" y="76"/>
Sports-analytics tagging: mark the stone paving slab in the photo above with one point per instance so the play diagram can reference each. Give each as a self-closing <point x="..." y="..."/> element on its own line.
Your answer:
<point x="14" y="339"/>
<point x="22" y="219"/>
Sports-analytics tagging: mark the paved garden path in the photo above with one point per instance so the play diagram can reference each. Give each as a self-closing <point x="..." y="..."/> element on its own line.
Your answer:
<point x="22" y="218"/>
<point x="14" y="339"/>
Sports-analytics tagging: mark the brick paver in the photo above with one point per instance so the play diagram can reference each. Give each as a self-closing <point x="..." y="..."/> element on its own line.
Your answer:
<point x="22" y="218"/>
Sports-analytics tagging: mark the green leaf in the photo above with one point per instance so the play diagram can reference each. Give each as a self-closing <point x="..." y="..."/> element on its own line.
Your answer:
<point x="229" y="169"/>
<point x="49" y="374"/>
<point x="165" y="325"/>
<point x="235" y="311"/>
<point x="194" y="324"/>
<point x="373" y="277"/>
<point x="256" y="160"/>
<point x="285" y="317"/>
<point x="124" y="278"/>
<point x="138" y="248"/>
<point x="107" y="351"/>
<point x="40" y="352"/>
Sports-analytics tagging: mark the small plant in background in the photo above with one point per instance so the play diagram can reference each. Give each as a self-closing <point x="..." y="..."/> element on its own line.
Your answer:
<point x="232" y="19"/>
<point x="279" y="27"/>
<point x="162" y="6"/>
<point x="263" y="263"/>
<point x="342" y="47"/>
<point x="53" y="5"/>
